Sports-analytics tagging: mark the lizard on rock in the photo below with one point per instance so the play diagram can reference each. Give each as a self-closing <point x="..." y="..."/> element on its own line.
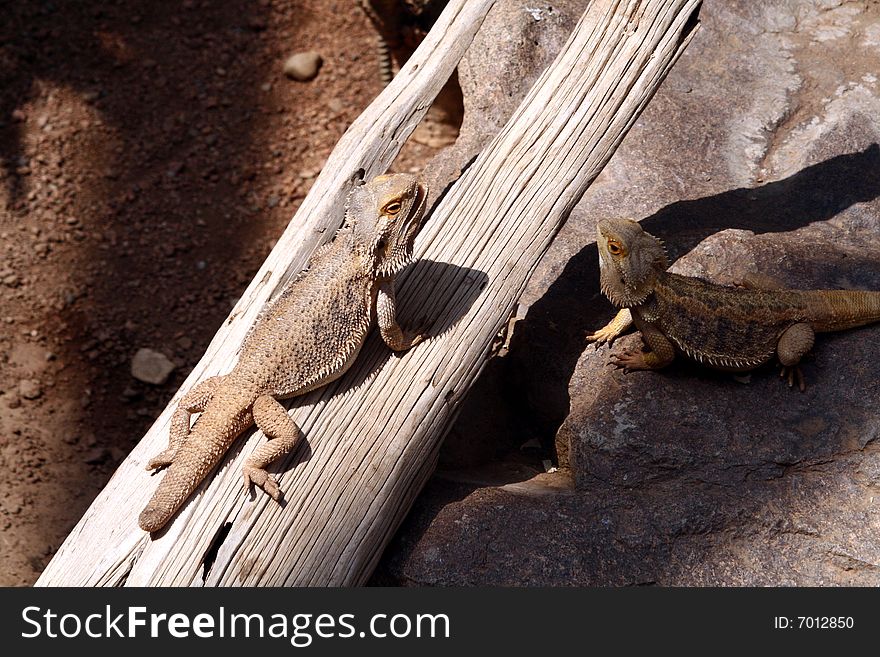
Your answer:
<point x="728" y="328"/>
<point x="309" y="336"/>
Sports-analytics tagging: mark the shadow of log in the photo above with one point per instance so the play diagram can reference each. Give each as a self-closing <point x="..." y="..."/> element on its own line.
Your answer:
<point x="546" y="345"/>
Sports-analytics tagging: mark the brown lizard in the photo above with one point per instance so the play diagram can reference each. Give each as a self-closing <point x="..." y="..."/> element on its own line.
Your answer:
<point x="308" y="337"/>
<point x="728" y="328"/>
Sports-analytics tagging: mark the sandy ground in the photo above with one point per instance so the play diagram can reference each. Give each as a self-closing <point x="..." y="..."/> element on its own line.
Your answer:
<point x="147" y="163"/>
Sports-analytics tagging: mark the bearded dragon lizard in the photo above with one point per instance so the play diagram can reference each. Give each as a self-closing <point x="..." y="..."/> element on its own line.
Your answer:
<point x="309" y="336"/>
<point x="728" y="328"/>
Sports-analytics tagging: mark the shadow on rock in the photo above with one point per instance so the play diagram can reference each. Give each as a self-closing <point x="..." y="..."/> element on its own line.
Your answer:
<point x="546" y="346"/>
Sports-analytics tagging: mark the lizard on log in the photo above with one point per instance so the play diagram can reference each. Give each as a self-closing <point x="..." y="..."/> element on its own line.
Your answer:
<point x="309" y="336"/>
<point x="727" y="328"/>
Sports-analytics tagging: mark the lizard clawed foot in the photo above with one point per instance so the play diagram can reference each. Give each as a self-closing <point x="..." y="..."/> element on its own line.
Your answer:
<point x="603" y="335"/>
<point x="425" y="322"/>
<point x="262" y="479"/>
<point x="404" y="340"/>
<point x="629" y="361"/>
<point x="793" y="373"/>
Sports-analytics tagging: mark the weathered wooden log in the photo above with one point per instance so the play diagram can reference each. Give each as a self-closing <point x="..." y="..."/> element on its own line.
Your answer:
<point x="373" y="436"/>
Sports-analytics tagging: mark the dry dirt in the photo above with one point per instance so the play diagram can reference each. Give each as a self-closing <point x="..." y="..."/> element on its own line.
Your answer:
<point x="148" y="159"/>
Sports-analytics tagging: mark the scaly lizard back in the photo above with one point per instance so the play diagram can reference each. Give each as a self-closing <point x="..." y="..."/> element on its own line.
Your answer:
<point x="739" y="328"/>
<point x="309" y="336"/>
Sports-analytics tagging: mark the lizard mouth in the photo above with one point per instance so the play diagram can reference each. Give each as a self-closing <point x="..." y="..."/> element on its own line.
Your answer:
<point x="401" y="251"/>
<point x="418" y="211"/>
<point x="413" y="224"/>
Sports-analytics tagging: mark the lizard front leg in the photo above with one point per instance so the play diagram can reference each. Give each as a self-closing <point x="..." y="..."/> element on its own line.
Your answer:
<point x="193" y="401"/>
<point x="283" y="434"/>
<point x="661" y="353"/>
<point x="794" y="342"/>
<point x="613" y="329"/>
<point x="395" y="337"/>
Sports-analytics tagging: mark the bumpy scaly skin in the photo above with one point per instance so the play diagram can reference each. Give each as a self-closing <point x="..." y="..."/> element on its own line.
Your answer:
<point x="727" y="328"/>
<point x="309" y="336"/>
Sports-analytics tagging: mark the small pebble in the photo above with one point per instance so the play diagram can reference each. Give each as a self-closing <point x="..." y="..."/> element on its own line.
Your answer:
<point x="29" y="388"/>
<point x="95" y="456"/>
<point x="303" y="66"/>
<point x="151" y="366"/>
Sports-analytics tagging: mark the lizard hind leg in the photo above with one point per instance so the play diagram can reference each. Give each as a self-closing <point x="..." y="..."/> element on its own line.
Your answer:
<point x="193" y="401"/>
<point x="283" y="434"/>
<point x="794" y="342"/>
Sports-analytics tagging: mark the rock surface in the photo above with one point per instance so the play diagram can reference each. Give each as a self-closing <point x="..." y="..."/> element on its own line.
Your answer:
<point x="757" y="154"/>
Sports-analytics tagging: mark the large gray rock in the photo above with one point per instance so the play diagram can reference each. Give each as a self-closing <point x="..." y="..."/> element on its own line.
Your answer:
<point x="758" y="153"/>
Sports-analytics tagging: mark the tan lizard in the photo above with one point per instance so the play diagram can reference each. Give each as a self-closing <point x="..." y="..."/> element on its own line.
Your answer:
<point x="308" y="337"/>
<point x="727" y="328"/>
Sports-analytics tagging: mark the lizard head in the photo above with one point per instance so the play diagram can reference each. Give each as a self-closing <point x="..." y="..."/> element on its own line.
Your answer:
<point x="386" y="214"/>
<point x="629" y="261"/>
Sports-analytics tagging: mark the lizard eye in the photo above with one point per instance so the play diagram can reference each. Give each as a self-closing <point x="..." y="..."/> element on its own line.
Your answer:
<point x="614" y="247"/>
<point x="381" y="244"/>
<point x="392" y="208"/>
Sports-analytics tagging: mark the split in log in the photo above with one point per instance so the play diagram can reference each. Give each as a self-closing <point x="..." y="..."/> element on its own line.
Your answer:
<point x="372" y="437"/>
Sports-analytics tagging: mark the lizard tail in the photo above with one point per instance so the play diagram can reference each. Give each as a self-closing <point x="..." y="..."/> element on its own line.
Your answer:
<point x="179" y="483"/>
<point x="836" y="310"/>
<point x="204" y="447"/>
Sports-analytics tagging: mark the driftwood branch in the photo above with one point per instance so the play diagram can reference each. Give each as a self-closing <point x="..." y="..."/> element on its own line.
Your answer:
<point x="373" y="436"/>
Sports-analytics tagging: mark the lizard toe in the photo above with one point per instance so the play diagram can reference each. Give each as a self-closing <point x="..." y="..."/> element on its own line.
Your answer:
<point x="623" y="360"/>
<point x="600" y="337"/>
<point x="262" y="479"/>
<point x="792" y="374"/>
